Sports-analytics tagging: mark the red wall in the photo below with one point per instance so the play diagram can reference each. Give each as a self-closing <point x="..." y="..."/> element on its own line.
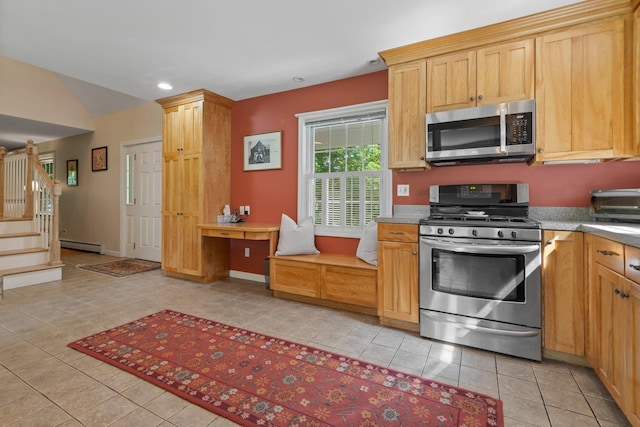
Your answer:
<point x="549" y="185"/>
<point x="273" y="192"/>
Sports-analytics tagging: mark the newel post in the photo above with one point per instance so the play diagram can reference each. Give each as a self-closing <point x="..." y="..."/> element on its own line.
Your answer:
<point x="54" y="248"/>
<point x="28" y="191"/>
<point x="3" y="153"/>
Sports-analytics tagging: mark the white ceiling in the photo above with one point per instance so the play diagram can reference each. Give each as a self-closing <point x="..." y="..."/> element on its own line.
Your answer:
<point x="113" y="53"/>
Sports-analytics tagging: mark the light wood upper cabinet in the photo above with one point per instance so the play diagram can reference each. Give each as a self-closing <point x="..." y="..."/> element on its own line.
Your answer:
<point x="581" y="103"/>
<point x="196" y="138"/>
<point x="564" y="292"/>
<point x="636" y="82"/>
<point x="398" y="272"/>
<point x="407" y="109"/>
<point x="490" y="75"/>
<point x="451" y="81"/>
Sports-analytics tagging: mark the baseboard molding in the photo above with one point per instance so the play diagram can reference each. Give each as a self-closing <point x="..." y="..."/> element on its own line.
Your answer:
<point x="246" y="276"/>
<point x="83" y="246"/>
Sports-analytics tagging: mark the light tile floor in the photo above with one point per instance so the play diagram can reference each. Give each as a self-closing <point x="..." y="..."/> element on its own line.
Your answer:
<point x="44" y="383"/>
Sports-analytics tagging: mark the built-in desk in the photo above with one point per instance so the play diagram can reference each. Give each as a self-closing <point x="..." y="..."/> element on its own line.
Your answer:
<point x="243" y="231"/>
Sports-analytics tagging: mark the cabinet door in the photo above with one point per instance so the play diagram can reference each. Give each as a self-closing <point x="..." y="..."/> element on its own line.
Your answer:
<point x="407" y="109"/>
<point x="505" y="72"/>
<point x="172" y="119"/>
<point x="611" y="329"/>
<point x="171" y="238"/>
<point x="190" y="208"/>
<point x="590" y="299"/>
<point x="192" y="127"/>
<point x="580" y="93"/>
<point x="633" y="403"/>
<point x="563" y="292"/>
<point x="398" y="274"/>
<point x="451" y="81"/>
<point x="636" y="82"/>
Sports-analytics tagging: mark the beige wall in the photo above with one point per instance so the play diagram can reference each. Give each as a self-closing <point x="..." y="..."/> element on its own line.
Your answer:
<point x="90" y="212"/>
<point x="33" y="93"/>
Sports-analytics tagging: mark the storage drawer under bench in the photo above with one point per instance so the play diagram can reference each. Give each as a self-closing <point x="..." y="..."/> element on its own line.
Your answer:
<point x="332" y="277"/>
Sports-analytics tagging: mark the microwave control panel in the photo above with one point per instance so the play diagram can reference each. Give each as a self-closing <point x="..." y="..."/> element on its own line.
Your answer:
<point x="519" y="128"/>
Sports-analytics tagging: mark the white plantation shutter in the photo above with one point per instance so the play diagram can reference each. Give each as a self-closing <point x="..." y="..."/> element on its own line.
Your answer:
<point x="344" y="182"/>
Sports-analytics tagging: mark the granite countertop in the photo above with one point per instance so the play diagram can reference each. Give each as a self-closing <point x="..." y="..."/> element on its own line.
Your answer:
<point x="551" y="218"/>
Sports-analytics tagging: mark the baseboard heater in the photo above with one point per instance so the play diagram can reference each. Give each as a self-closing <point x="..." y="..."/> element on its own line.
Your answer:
<point x="82" y="246"/>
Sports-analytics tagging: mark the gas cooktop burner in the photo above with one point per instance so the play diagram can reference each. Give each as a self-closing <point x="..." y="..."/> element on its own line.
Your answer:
<point x="457" y="219"/>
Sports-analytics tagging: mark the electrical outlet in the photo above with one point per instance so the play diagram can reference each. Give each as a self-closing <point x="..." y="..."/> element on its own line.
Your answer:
<point x="241" y="210"/>
<point x="403" y="189"/>
<point x="247" y="211"/>
<point x="246" y="252"/>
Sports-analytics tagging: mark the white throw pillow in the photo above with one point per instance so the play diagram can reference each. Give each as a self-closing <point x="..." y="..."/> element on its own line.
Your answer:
<point x="368" y="247"/>
<point x="296" y="239"/>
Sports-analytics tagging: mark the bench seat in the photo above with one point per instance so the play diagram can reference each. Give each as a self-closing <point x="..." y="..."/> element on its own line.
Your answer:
<point x="335" y="280"/>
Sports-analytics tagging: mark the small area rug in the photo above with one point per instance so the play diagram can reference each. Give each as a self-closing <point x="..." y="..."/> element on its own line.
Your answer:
<point x="122" y="268"/>
<point x="258" y="380"/>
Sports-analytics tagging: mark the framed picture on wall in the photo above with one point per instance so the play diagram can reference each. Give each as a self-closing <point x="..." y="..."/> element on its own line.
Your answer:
<point x="263" y="151"/>
<point x="72" y="173"/>
<point x="99" y="159"/>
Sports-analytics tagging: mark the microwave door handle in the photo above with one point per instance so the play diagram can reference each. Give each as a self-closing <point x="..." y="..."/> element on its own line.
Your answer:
<point x="483" y="249"/>
<point x="503" y="130"/>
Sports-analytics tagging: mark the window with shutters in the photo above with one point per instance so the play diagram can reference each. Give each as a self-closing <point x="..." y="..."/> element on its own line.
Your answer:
<point x="343" y="181"/>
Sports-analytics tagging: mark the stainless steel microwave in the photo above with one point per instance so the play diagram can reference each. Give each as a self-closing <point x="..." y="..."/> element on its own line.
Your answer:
<point x="497" y="133"/>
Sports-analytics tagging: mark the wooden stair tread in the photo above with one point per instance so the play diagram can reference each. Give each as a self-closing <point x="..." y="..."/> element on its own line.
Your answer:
<point x="23" y="251"/>
<point x="25" y="234"/>
<point x="19" y="270"/>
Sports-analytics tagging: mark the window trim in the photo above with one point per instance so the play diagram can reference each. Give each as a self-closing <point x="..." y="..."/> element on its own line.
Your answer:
<point x="305" y="160"/>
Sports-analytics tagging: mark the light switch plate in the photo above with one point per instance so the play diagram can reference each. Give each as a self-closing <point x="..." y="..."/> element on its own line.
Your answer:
<point x="403" y="189"/>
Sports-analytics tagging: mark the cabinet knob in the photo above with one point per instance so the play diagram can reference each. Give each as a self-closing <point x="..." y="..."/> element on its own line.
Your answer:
<point x="635" y="267"/>
<point x="414" y="253"/>
<point x="479" y="96"/>
<point x="549" y="242"/>
<point x="472" y="98"/>
<point x="540" y="150"/>
<point x="421" y="157"/>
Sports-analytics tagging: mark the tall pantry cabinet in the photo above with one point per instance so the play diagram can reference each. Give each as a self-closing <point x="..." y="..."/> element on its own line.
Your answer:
<point x="196" y="182"/>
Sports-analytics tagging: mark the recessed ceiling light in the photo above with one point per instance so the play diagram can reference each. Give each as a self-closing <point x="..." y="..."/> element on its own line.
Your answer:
<point x="298" y="79"/>
<point x="165" y="86"/>
<point x="373" y="62"/>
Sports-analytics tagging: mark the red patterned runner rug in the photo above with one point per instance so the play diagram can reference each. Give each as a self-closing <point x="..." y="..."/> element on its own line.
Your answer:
<point x="258" y="380"/>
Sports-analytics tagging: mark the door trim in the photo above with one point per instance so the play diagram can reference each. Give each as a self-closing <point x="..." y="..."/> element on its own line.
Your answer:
<point x="123" y="181"/>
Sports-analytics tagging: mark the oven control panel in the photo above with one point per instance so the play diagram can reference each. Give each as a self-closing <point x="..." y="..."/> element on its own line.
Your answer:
<point x="491" y="233"/>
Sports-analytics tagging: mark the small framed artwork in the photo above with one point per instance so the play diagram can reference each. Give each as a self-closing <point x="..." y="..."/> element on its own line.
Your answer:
<point x="263" y="151"/>
<point x="99" y="159"/>
<point x="72" y="173"/>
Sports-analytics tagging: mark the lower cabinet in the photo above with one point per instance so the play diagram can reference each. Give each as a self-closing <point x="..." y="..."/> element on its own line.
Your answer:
<point x="398" y="273"/>
<point x="564" y="292"/>
<point x="614" y="322"/>
<point x="610" y="313"/>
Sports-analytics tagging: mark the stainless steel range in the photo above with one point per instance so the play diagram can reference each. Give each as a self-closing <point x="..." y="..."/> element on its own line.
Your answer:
<point x="480" y="269"/>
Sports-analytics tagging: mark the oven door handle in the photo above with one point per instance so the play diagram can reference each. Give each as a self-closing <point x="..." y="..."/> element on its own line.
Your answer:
<point x="476" y="328"/>
<point x="483" y="249"/>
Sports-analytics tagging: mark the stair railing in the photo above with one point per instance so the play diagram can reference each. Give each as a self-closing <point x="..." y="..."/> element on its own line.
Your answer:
<point x="28" y="192"/>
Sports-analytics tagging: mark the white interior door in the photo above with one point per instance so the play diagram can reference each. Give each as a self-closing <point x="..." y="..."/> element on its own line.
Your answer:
<point x="143" y="200"/>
